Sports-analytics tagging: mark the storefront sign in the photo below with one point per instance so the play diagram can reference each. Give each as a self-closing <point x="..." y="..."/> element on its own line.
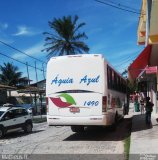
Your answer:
<point x="151" y="70"/>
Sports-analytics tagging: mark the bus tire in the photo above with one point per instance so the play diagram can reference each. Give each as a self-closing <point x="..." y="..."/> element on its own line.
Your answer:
<point x="77" y="129"/>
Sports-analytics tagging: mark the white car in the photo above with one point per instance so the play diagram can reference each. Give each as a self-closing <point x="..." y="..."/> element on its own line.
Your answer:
<point x="13" y="119"/>
<point x="28" y="107"/>
<point x="29" y="110"/>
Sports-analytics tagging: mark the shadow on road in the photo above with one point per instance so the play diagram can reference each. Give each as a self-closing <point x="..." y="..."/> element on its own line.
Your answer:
<point x="139" y="123"/>
<point x="122" y="131"/>
<point x="19" y="134"/>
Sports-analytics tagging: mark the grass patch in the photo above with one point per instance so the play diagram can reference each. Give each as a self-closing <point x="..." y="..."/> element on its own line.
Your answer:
<point x="39" y="120"/>
<point x="127" y="147"/>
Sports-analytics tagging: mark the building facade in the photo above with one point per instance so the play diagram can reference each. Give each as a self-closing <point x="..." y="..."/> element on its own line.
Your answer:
<point x="144" y="68"/>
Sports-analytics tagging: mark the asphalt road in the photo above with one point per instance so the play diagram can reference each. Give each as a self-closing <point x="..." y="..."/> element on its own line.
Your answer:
<point x="61" y="143"/>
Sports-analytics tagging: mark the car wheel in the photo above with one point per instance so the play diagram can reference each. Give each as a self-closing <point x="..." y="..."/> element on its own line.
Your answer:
<point x="1" y="132"/>
<point x="28" y="128"/>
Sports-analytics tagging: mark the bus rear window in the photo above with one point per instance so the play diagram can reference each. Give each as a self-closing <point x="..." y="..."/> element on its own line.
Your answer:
<point x="75" y="91"/>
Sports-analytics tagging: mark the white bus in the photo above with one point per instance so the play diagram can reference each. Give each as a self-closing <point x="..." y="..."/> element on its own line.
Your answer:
<point x="83" y="90"/>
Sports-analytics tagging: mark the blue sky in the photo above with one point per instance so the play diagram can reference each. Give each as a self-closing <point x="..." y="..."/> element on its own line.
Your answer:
<point x="110" y="31"/>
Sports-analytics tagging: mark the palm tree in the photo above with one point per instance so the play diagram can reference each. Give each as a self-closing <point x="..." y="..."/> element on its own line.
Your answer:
<point x="124" y="73"/>
<point x="9" y="75"/>
<point x="66" y="39"/>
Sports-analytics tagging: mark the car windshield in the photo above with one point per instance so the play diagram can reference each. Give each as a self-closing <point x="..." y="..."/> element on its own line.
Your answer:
<point x="26" y="106"/>
<point x="1" y="112"/>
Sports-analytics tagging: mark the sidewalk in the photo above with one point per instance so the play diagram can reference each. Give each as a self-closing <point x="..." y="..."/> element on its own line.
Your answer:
<point x="144" y="139"/>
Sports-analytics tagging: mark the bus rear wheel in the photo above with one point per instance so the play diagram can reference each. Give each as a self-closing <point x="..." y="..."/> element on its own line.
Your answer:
<point x="77" y="129"/>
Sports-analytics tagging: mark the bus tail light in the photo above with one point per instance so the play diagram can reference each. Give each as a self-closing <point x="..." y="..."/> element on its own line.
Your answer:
<point x="104" y="104"/>
<point x="47" y="103"/>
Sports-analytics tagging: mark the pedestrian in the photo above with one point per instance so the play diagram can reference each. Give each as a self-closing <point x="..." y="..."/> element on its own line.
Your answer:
<point x="149" y="108"/>
<point x="136" y="105"/>
<point x="126" y="108"/>
<point x="142" y="106"/>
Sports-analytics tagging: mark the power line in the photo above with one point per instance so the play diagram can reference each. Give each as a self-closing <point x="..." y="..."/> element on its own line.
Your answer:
<point x="122" y="5"/>
<point x="125" y="61"/>
<point x="20" y="61"/>
<point x="125" y="66"/>
<point x="118" y="7"/>
<point x="128" y="58"/>
<point x="21" y="52"/>
<point x="121" y="67"/>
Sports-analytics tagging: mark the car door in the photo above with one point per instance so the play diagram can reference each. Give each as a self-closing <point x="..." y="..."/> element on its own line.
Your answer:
<point x="21" y="116"/>
<point x="9" y="120"/>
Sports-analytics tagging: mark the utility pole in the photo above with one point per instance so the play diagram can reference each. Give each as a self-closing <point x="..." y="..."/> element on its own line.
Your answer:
<point x="43" y="71"/>
<point x="28" y="76"/>
<point x="36" y="73"/>
<point x="36" y="82"/>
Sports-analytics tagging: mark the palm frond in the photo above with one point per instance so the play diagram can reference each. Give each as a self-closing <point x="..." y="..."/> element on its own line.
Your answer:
<point x="9" y="74"/>
<point x="66" y="38"/>
<point x="80" y="36"/>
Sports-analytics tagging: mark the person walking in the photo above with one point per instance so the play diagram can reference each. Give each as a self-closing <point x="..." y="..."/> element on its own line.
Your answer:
<point x="126" y="108"/>
<point x="149" y="108"/>
<point x="142" y="106"/>
<point x="136" y="105"/>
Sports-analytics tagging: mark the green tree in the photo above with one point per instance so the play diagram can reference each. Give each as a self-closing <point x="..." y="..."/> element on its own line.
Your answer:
<point x="124" y="73"/>
<point x="66" y="38"/>
<point x="10" y="75"/>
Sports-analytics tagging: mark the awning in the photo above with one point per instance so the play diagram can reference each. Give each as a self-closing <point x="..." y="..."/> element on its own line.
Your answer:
<point x="32" y="90"/>
<point x="5" y="87"/>
<point x="139" y="63"/>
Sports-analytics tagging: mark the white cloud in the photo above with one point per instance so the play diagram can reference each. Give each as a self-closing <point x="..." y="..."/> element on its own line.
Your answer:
<point x="5" y="38"/>
<point x="32" y="51"/>
<point x="3" y="34"/>
<point x="3" y="25"/>
<point x="25" y="31"/>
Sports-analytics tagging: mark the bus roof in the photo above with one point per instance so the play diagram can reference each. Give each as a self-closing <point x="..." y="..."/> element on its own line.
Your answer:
<point x="78" y="55"/>
<point x="87" y="56"/>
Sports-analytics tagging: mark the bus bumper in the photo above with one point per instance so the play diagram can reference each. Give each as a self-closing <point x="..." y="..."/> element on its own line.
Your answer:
<point x="102" y="120"/>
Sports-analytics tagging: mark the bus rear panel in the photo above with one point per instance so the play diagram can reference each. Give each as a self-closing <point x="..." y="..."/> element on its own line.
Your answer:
<point x="77" y="91"/>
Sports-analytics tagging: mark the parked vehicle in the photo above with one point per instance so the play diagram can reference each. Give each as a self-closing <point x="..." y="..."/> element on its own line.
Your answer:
<point x="8" y="105"/>
<point x="13" y="119"/>
<point x="28" y="107"/>
<point x="30" y="110"/>
<point x="83" y="90"/>
<point x="39" y="108"/>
